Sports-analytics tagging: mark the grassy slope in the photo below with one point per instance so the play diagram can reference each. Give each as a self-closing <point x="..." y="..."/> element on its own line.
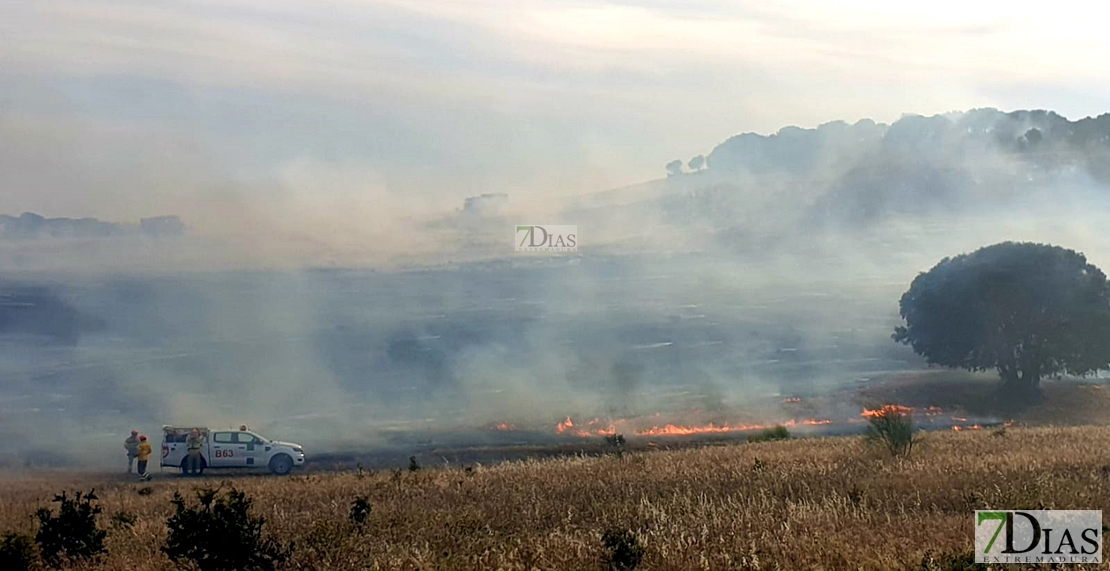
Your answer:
<point x="803" y="504"/>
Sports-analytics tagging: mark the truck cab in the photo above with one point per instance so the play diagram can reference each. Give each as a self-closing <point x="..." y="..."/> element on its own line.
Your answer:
<point x="231" y="448"/>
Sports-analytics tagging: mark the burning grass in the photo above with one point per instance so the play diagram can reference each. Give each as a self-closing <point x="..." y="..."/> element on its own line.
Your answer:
<point x="827" y="503"/>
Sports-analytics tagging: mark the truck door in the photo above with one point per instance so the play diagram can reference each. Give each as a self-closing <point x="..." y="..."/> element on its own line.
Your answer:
<point x="173" y="449"/>
<point x="253" y="454"/>
<point x="226" y="451"/>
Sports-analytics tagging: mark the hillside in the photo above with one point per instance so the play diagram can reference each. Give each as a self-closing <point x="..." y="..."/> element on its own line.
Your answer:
<point x="853" y="178"/>
<point x="29" y="226"/>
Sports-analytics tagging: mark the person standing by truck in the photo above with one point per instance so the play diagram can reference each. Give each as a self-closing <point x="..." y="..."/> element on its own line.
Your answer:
<point x="131" y="444"/>
<point x="194" y="444"/>
<point x="143" y="455"/>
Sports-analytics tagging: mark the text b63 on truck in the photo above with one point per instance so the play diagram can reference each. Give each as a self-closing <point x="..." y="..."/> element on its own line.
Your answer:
<point x="230" y="448"/>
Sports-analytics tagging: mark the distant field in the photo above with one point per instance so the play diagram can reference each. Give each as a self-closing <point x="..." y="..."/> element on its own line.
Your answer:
<point x="814" y="503"/>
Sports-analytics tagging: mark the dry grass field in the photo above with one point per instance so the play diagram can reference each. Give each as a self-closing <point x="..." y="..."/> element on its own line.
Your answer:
<point x="823" y="503"/>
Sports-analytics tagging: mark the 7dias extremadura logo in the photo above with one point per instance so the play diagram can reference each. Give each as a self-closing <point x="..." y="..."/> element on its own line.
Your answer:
<point x="1038" y="536"/>
<point x="546" y="238"/>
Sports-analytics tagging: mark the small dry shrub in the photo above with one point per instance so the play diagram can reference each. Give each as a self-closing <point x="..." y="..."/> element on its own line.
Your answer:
<point x="124" y="520"/>
<point x="894" y="430"/>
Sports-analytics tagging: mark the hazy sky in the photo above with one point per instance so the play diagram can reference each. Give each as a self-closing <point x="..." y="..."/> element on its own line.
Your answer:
<point x="122" y="109"/>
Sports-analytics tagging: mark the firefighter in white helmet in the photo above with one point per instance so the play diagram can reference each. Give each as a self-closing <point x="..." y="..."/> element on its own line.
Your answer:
<point x="131" y="444"/>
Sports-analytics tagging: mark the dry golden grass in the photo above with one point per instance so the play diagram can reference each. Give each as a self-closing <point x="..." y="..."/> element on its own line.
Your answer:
<point x="826" y="503"/>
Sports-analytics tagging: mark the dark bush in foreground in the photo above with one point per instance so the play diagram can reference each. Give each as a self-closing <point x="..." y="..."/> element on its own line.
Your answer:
<point x="769" y="434"/>
<point x="18" y="552"/>
<point x="623" y="549"/>
<point x="360" y="510"/>
<point x="73" y="532"/>
<point x="220" y="534"/>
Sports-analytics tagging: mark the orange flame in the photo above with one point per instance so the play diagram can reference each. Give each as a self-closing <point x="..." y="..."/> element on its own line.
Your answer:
<point x="568" y="427"/>
<point x="793" y="400"/>
<point x="711" y="428"/>
<point x="672" y="430"/>
<point x="886" y="409"/>
<point x="598" y="427"/>
<point x="505" y="426"/>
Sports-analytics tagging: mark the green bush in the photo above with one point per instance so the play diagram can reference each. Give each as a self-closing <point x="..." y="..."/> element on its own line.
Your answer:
<point x="768" y="434"/>
<point x="221" y="535"/>
<point x="892" y="429"/>
<point x="73" y="532"/>
<point x="18" y="552"/>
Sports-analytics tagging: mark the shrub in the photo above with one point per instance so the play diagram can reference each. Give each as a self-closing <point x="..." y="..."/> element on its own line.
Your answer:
<point x="616" y="442"/>
<point x="18" y="552"/>
<point x="72" y="532"/>
<point x="893" y="429"/>
<point x="779" y="432"/>
<point x="413" y="465"/>
<point x="124" y="520"/>
<point x="360" y="509"/>
<point x="326" y="536"/>
<point x="221" y="535"/>
<point x="855" y="495"/>
<point x="623" y="549"/>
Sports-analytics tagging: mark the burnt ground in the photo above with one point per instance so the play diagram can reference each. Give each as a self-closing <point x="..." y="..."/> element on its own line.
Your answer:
<point x="1066" y="402"/>
<point x="958" y="394"/>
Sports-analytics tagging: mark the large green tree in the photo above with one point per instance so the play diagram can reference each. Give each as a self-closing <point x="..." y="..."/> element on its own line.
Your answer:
<point x="1028" y="310"/>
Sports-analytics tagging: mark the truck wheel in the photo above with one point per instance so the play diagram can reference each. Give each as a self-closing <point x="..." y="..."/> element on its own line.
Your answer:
<point x="281" y="464"/>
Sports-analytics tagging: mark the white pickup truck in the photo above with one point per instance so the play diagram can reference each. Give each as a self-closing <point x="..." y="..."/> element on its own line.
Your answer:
<point x="230" y="449"/>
